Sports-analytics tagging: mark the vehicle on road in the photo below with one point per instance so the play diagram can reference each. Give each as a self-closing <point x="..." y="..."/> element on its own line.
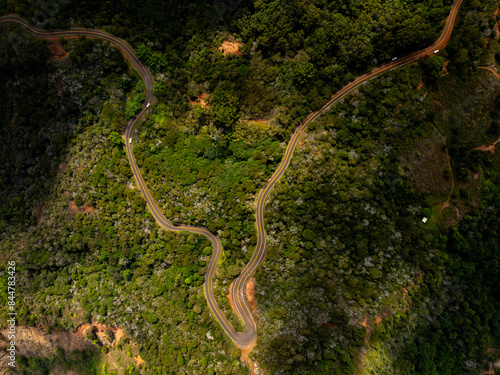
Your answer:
<point x="248" y="337"/>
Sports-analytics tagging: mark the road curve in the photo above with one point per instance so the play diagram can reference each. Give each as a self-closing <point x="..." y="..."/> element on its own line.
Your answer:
<point x="260" y="250"/>
<point x="248" y="337"/>
<point x="241" y="339"/>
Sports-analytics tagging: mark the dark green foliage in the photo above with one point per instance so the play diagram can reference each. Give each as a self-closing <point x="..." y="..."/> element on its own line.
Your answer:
<point x="346" y="235"/>
<point x="295" y="54"/>
<point x="224" y="109"/>
<point x="155" y="60"/>
<point x="469" y="321"/>
<point x="35" y="135"/>
<point x="433" y="67"/>
<point x="344" y="224"/>
<point x="133" y="105"/>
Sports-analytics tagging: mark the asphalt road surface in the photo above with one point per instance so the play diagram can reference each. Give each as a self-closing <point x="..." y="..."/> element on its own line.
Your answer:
<point x="248" y="337"/>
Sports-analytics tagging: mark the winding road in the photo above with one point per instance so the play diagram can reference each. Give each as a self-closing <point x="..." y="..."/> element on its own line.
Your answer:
<point x="248" y="337"/>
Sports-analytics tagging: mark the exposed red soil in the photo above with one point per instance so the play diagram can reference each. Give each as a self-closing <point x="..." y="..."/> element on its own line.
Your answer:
<point x="201" y="100"/>
<point x="57" y="50"/>
<point x="139" y="360"/>
<point x="250" y="292"/>
<point x="251" y="364"/>
<point x="331" y="325"/>
<point x="231" y="47"/>
<point x="490" y="148"/>
<point x="260" y="120"/>
<point x="490" y="350"/>
<point x="247" y="351"/>
<point x="75" y="210"/>
<point x="491" y="371"/>
<point x="62" y="168"/>
<point x="445" y="68"/>
<point x="36" y="342"/>
<point x="59" y="86"/>
<point x="101" y="332"/>
<point x="229" y="296"/>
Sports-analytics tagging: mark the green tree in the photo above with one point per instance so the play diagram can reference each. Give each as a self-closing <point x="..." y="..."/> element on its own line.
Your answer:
<point x="115" y="139"/>
<point x="433" y="67"/>
<point x="224" y="109"/>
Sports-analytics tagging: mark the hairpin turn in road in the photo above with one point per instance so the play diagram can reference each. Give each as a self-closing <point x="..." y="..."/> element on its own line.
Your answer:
<point x="248" y="337"/>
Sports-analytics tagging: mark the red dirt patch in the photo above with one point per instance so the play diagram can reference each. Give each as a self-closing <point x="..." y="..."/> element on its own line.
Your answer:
<point x="103" y="332"/>
<point x="201" y="100"/>
<point x="253" y="365"/>
<point x="299" y="144"/>
<point x="331" y="325"/>
<point x="139" y="360"/>
<point x="250" y="292"/>
<point x="260" y="120"/>
<point x="36" y="342"/>
<point x="231" y="298"/>
<point x="490" y="148"/>
<point x="491" y="371"/>
<point x="75" y="210"/>
<point x="57" y="50"/>
<point x="62" y="168"/>
<point x="231" y="47"/>
<point x="445" y="68"/>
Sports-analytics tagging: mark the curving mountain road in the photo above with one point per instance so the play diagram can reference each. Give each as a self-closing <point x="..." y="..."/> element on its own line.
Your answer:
<point x="248" y="337"/>
<point x="241" y="339"/>
<point x="260" y="250"/>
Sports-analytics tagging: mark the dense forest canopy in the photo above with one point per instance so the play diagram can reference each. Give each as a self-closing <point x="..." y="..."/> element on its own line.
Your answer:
<point x="353" y="282"/>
